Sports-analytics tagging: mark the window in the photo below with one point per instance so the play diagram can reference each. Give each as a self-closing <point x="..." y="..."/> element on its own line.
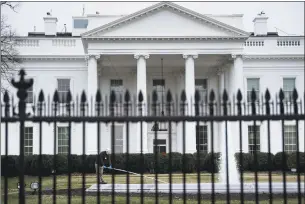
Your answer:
<point x="118" y="137"/>
<point x="254" y="131"/>
<point x="202" y="86"/>
<point x="28" y="140"/>
<point x="288" y="86"/>
<point x="159" y="146"/>
<point x="80" y="23"/>
<point x="30" y="97"/>
<point x="63" y="141"/>
<point x="290" y="138"/>
<point x="253" y="84"/>
<point x="63" y="88"/>
<point x="202" y="138"/>
<point x="116" y="85"/>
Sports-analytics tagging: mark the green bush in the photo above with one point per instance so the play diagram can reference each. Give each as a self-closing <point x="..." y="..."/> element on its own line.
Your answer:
<point x="277" y="161"/>
<point x="292" y="161"/>
<point x="10" y="166"/>
<point x="210" y="160"/>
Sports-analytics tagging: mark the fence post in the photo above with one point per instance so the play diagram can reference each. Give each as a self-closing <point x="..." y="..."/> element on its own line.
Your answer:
<point x="22" y="87"/>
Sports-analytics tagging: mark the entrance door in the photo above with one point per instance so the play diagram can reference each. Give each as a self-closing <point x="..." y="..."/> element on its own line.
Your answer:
<point x="118" y="138"/>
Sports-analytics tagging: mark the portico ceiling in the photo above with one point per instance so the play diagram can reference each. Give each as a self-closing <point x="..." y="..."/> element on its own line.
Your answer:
<point x="170" y="62"/>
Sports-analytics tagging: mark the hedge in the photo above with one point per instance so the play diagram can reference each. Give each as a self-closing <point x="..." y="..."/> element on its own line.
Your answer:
<point x="145" y="164"/>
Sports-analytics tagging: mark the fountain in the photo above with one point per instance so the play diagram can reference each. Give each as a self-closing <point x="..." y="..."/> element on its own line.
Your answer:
<point x="234" y="177"/>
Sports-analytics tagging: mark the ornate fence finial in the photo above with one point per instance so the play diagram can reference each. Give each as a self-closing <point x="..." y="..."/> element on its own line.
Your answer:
<point x="294" y="99"/>
<point x="6" y="100"/>
<point x="211" y="104"/>
<point x="83" y="100"/>
<point x="253" y="100"/>
<point x="183" y="101"/>
<point x="267" y="102"/>
<point x="197" y="100"/>
<point x="127" y="101"/>
<point x="22" y="85"/>
<point x="239" y="99"/>
<point x="169" y="99"/>
<point x="40" y="102"/>
<point x="281" y="98"/>
<point x="225" y="99"/>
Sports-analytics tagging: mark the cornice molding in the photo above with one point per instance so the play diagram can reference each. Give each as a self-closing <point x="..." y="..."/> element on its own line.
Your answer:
<point x="162" y="38"/>
<point x="51" y="57"/>
<point x="274" y="57"/>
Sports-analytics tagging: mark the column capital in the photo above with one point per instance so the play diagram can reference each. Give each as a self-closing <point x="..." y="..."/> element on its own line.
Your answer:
<point x="95" y="56"/>
<point x="137" y="56"/>
<point x="237" y="55"/>
<point x="188" y="55"/>
<point x="220" y="70"/>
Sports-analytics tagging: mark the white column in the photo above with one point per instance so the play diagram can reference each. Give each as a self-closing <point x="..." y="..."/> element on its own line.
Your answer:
<point x="237" y="73"/>
<point x="141" y="86"/>
<point x="91" y="129"/>
<point x="190" y="127"/>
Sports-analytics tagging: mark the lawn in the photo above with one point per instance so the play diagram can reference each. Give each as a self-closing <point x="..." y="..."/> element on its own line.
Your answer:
<point x="62" y="183"/>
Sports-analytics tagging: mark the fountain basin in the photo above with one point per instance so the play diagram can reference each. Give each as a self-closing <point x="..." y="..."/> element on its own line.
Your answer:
<point x="191" y="188"/>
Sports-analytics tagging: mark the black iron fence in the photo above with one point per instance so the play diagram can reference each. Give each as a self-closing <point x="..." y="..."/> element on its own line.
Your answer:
<point x="171" y="111"/>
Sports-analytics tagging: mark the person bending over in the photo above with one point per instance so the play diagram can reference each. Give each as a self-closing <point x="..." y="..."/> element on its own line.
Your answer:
<point x="104" y="159"/>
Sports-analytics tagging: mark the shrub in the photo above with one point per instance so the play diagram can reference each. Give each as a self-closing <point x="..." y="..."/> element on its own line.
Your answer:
<point x="292" y="161"/>
<point x="262" y="162"/>
<point x="208" y="162"/>
<point x="247" y="160"/>
<point x="277" y="161"/>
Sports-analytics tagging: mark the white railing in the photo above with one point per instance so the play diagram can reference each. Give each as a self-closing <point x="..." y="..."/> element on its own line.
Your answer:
<point x="64" y="42"/>
<point x="27" y="42"/>
<point x="288" y="43"/>
<point x="254" y="43"/>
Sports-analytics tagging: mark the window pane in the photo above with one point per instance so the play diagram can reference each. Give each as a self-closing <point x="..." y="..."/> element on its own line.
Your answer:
<point x="288" y="84"/>
<point x="252" y="133"/>
<point x="253" y="84"/>
<point x="80" y="23"/>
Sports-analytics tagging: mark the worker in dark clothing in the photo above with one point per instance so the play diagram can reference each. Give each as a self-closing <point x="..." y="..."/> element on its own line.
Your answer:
<point x="105" y="162"/>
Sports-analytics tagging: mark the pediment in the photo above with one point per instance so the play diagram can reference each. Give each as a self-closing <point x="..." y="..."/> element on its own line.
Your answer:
<point x="165" y="19"/>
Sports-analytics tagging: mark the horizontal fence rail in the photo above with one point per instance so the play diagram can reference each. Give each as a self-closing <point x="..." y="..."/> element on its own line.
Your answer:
<point x="217" y="169"/>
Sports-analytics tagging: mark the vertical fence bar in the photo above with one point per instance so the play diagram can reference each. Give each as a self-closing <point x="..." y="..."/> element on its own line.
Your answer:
<point x="154" y="105"/>
<point x="7" y="114"/>
<point x="97" y="109"/>
<point x="197" y="112"/>
<point x="55" y="100"/>
<point x="253" y="107"/>
<point x="40" y="104"/>
<point x="140" y="109"/>
<point x="225" y="113"/>
<point x="112" y="102"/>
<point x="127" y="100"/>
<point x="295" y="111"/>
<point x="83" y="114"/>
<point x="211" y="112"/>
<point x="183" y="102"/>
<point x="68" y="108"/>
<point x="169" y="103"/>
<point x="282" y="112"/>
<point x="267" y="102"/>
<point x="241" y="166"/>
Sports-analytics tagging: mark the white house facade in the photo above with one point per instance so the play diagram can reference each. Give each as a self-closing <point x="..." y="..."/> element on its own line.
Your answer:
<point x="163" y="47"/>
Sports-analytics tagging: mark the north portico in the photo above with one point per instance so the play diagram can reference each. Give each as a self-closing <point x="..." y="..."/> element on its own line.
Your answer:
<point x="188" y="45"/>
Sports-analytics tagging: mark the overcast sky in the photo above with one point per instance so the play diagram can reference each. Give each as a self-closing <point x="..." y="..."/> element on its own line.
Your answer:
<point x="287" y="16"/>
